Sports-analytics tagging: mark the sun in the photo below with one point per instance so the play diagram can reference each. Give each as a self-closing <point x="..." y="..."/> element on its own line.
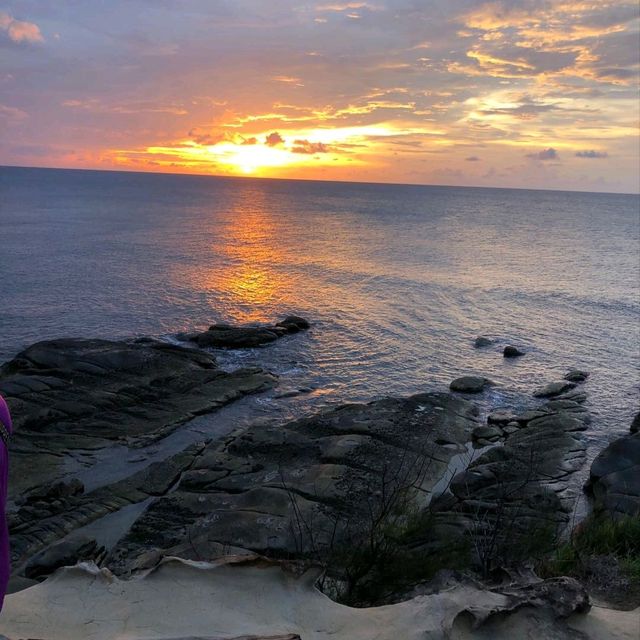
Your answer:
<point x="251" y="159"/>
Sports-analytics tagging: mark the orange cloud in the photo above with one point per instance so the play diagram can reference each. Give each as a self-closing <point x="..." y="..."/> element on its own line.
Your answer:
<point x="19" y="31"/>
<point x="304" y="146"/>
<point x="273" y="139"/>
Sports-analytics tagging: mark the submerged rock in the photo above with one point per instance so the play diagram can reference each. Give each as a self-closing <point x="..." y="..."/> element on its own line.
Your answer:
<point x="576" y="375"/>
<point x="470" y="384"/>
<point x="512" y="352"/>
<point x="293" y="324"/>
<point x="237" y="337"/>
<point x="482" y="341"/>
<point x="554" y="389"/>
<point x="228" y="336"/>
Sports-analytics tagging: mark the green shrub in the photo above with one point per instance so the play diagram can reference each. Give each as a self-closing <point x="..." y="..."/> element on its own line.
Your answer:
<point x="598" y="535"/>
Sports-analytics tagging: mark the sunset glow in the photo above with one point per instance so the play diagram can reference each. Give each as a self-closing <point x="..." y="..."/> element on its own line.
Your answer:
<point x="525" y="94"/>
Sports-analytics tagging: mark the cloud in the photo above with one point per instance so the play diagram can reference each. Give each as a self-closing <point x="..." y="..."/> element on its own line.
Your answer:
<point x="128" y="108"/>
<point x="346" y="6"/>
<point x="304" y="146"/>
<point x="533" y="38"/>
<point x="591" y="154"/>
<point x="19" y="31"/>
<point x="12" y="113"/>
<point x="273" y="139"/>
<point x="546" y="154"/>
<point x="472" y="159"/>
<point x="289" y="80"/>
<point x="210" y="138"/>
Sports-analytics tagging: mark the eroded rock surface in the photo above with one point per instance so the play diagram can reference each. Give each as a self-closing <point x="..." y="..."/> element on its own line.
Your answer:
<point x="70" y="395"/>
<point x="262" y="488"/>
<point x="36" y="527"/>
<point x="513" y="494"/>
<point x="256" y="599"/>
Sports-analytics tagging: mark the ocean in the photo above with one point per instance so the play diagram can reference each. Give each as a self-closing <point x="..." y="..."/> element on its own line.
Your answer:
<point x="397" y="280"/>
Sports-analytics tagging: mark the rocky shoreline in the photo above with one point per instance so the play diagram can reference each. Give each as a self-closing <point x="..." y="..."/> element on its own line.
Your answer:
<point x="295" y="492"/>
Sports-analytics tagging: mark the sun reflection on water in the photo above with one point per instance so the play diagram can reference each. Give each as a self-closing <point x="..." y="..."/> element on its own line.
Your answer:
<point x="246" y="277"/>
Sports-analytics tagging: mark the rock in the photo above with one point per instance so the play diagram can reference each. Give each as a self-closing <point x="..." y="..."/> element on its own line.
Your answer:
<point x="482" y="341"/>
<point x="512" y="352"/>
<point x="526" y="416"/>
<point x="554" y="389"/>
<point x="80" y="395"/>
<point x="19" y="583"/>
<point x="290" y="393"/>
<point x="501" y="417"/>
<point x="470" y="384"/>
<point x="65" y="553"/>
<point x="220" y="336"/>
<point x="293" y="324"/>
<point x="564" y="596"/>
<point x="248" y="492"/>
<point x="31" y="532"/>
<point x="490" y="434"/>
<point x="512" y="427"/>
<point x="512" y="497"/>
<point x="187" y="336"/>
<point x="255" y="599"/>
<point x="615" y="477"/>
<point x="576" y="375"/>
<point x="226" y="336"/>
<point x="635" y="424"/>
<point x="59" y="491"/>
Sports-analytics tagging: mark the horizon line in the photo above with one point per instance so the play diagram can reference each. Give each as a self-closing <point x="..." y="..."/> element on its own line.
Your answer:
<point x="365" y="182"/>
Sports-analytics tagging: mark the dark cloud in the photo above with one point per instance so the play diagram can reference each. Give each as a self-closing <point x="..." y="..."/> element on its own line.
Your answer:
<point x="209" y="138"/>
<point x="526" y="111"/>
<point x="304" y="146"/>
<point x="592" y="154"/>
<point x="546" y="154"/>
<point x="273" y="139"/>
<point x="212" y="138"/>
<point x="616" y="74"/>
<point x="472" y="159"/>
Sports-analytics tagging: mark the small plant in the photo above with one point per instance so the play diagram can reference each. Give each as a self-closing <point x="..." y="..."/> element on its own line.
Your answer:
<point x="365" y="553"/>
<point x="598" y="535"/>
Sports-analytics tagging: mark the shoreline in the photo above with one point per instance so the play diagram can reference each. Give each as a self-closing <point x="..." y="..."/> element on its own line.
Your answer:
<point x="305" y="469"/>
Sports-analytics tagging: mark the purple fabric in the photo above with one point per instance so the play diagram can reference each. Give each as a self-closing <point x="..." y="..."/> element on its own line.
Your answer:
<point x="5" y="566"/>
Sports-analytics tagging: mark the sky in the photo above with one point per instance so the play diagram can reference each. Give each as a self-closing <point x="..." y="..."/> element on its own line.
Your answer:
<point x="524" y="93"/>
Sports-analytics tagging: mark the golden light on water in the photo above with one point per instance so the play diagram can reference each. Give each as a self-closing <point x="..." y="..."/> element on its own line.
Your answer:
<point x="246" y="275"/>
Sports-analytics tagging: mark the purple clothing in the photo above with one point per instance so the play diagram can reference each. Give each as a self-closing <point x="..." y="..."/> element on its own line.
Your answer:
<point x="5" y="560"/>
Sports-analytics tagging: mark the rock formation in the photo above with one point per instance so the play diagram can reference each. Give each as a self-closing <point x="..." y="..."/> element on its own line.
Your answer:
<point x="82" y="395"/>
